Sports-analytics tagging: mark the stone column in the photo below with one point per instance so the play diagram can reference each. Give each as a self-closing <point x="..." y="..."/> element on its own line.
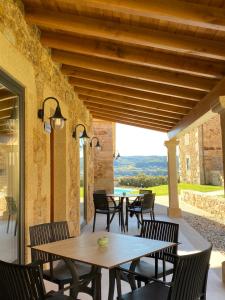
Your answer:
<point x="222" y="124"/>
<point x="173" y="210"/>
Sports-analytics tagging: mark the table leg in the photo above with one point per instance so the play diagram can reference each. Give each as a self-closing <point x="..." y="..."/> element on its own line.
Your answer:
<point x="98" y="286"/>
<point x="126" y="222"/>
<point x="122" y="215"/>
<point x="112" y="278"/>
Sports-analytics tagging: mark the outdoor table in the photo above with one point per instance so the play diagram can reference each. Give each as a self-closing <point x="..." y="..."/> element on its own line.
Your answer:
<point x="120" y="249"/>
<point x="128" y="198"/>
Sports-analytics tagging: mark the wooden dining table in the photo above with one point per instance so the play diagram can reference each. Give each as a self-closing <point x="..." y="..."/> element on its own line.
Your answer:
<point x="127" y="198"/>
<point x="120" y="249"/>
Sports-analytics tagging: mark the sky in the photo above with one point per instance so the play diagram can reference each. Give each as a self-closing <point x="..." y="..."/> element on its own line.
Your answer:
<point x="139" y="141"/>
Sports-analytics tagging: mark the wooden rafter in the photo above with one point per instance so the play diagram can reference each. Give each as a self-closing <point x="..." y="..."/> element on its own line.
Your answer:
<point x="130" y="70"/>
<point x="127" y="122"/>
<point x="130" y="118"/>
<point x="133" y="101"/>
<point x="122" y="91"/>
<point x="134" y="55"/>
<point x="172" y="116"/>
<point x="127" y="33"/>
<point x="204" y="106"/>
<point x="135" y="84"/>
<point x="125" y="112"/>
<point x="175" y="11"/>
<point x="6" y="95"/>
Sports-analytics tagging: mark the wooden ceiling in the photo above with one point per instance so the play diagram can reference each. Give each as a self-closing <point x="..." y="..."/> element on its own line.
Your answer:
<point x="144" y="63"/>
<point x="7" y="102"/>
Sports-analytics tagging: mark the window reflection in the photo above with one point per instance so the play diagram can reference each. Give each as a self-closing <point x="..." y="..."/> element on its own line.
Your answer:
<point x="9" y="174"/>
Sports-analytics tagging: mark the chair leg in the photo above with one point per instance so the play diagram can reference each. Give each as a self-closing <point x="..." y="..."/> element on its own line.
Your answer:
<point x="138" y="220"/>
<point x="131" y="280"/>
<point x="61" y="286"/>
<point x="7" y="230"/>
<point x="118" y="284"/>
<point x="139" y="283"/>
<point x="112" y="218"/>
<point x="15" y="229"/>
<point x="94" y="222"/>
<point x="108" y="222"/>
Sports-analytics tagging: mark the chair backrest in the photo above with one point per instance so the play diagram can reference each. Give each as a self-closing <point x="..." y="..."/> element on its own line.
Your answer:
<point x="60" y="231"/>
<point x="40" y="234"/>
<point x="44" y="234"/>
<point x="143" y="191"/>
<point x="148" y="201"/>
<point x="100" y="201"/>
<point x="11" y="205"/>
<point x="100" y="192"/>
<point x="190" y="276"/>
<point x="161" y="231"/>
<point x="18" y="282"/>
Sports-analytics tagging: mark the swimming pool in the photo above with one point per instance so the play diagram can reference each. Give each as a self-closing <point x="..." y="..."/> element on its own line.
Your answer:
<point x="120" y="191"/>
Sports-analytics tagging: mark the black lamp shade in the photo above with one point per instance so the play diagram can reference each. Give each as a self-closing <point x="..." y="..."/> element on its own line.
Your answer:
<point x="57" y="120"/>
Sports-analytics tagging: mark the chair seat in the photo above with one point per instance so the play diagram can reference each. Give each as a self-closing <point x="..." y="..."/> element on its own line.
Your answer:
<point x="111" y="210"/>
<point x="61" y="273"/>
<point x="154" y="291"/>
<point x="147" y="269"/>
<point x="58" y="296"/>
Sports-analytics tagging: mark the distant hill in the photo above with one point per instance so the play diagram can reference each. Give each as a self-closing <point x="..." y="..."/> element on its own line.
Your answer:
<point x="134" y="165"/>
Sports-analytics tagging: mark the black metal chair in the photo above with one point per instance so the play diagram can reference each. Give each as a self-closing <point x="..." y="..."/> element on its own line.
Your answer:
<point x="19" y="282"/>
<point x="12" y="211"/>
<point x="157" y="264"/>
<point x="141" y="206"/>
<point x="143" y="191"/>
<point x="58" y="271"/>
<point x="188" y="283"/>
<point x="101" y="205"/>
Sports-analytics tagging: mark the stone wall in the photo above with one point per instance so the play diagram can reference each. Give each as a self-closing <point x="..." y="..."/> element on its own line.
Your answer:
<point x="190" y="172"/>
<point x="212" y="152"/>
<point x="103" y="162"/>
<point x="215" y="205"/>
<point x="202" y="146"/>
<point x="23" y="58"/>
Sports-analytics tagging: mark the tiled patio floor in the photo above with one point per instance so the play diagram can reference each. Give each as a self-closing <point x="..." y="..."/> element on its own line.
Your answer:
<point x="190" y="241"/>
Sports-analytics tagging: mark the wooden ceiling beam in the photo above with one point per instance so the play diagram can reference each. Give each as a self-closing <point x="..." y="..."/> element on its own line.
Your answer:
<point x="130" y="70"/>
<point x="202" y="108"/>
<point x="5" y="105"/>
<point x="130" y="118"/>
<point x="125" y="112"/>
<point x="136" y="84"/>
<point x="129" y="54"/>
<point x="6" y="95"/>
<point x="5" y="114"/>
<point x="112" y="106"/>
<point x="193" y="14"/>
<point x="133" y="101"/>
<point x="172" y="116"/>
<point x="123" y="91"/>
<point x="127" y="122"/>
<point x="127" y="33"/>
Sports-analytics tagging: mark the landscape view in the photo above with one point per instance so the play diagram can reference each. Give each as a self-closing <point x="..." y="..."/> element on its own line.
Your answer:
<point x="134" y="172"/>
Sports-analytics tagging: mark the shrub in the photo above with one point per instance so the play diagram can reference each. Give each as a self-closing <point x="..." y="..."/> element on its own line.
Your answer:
<point x="143" y="180"/>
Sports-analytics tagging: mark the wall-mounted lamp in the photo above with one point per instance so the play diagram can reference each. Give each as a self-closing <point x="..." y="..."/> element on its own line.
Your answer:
<point x="116" y="156"/>
<point x="83" y="135"/>
<point x="97" y="146"/>
<point x="57" y="120"/>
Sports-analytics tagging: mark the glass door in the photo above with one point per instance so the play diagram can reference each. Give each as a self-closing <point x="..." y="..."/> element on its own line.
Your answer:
<point x="10" y="180"/>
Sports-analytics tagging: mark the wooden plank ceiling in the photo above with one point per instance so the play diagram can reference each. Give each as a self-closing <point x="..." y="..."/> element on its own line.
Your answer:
<point x="143" y="63"/>
<point x="7" y="103"/>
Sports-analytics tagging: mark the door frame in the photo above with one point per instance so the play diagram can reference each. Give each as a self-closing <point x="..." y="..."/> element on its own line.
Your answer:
<point x="19" y="90"/>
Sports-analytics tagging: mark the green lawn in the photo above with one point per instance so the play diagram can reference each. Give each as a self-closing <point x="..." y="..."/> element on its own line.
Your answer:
<point x="162" y="190"/>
